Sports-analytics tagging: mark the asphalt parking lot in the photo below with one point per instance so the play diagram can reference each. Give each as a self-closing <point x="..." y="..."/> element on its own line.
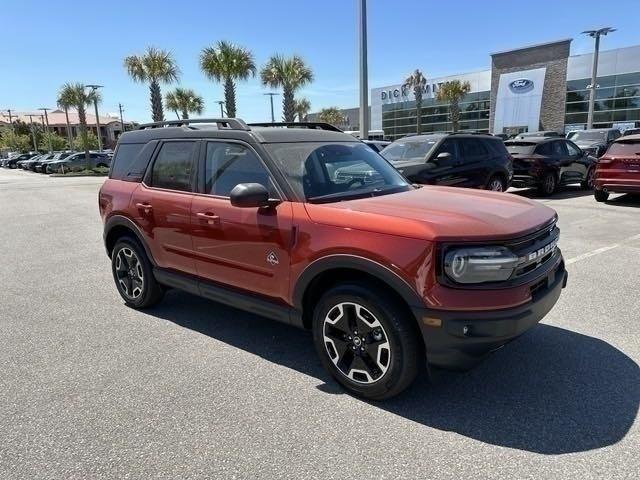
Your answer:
<point x="190" y="389"/>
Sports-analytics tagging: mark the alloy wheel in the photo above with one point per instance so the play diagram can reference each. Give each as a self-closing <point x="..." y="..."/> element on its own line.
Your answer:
<point x="590" y="176"/>
<point x="549" y="184"/>
<point x="356" y="343"/>
<point x="129" y="273"/>
<point x="496" y="185"/>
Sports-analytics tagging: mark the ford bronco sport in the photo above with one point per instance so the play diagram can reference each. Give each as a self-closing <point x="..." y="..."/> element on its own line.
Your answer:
<point x="388" y="276"/>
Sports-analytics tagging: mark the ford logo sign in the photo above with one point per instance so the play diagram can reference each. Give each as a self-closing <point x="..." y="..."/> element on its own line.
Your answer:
<point x="521" y="85"/>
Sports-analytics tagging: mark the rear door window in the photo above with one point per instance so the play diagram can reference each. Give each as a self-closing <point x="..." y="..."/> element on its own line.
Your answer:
<point x="124" y="161"/>
<point x="173" y="167"/>
<point x="471" y="149"/>
<point x="558" y="149"/>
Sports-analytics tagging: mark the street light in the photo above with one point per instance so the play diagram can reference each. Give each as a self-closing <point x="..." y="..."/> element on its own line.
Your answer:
<point x="47" y="127"/>
<point x="364" y="83"/>
<point x="221" y="103"/>
<point x="271" y="95"/>
<point x="594" y="71"/>
<point x="94" y="89"/>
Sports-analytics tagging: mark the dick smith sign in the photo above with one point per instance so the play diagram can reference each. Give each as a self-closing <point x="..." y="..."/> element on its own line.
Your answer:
<point x="405" y="91"/>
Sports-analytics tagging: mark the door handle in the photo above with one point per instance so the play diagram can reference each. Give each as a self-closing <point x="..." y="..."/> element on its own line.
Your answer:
<point x="147" y="207"/>
<point x="211" y="218"/>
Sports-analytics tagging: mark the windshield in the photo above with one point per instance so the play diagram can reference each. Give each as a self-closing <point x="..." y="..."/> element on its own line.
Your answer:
<point x="328" y="172"/>
<point x="588" y="136"/>
<point x="625" y="148"/>
<point x="408" y="150"/>
<point x="520" y="148"/>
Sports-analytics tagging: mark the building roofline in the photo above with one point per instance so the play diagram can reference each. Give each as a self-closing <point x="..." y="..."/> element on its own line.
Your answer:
<point x="535" y="45"/>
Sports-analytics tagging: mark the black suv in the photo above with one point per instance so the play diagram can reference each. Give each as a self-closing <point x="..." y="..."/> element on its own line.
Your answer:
<point x="596" y="141"/>
<point x="456" y="159"/>
<point x="545" y="163"/>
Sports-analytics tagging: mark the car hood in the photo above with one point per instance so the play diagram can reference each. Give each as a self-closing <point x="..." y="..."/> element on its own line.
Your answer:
<point x="438" y="213"/>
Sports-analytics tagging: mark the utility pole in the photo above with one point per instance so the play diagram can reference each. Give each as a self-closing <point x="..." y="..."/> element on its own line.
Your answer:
<point x="364" y="82"/>
<point x="33" y="133"/>
<point x="47" y="127"/>
<point x="10" y="119"/>
<point x="124" y="129"/>
<point x="594" y="69"/>
<point x="221" y="103"/>
<point x="94" y="90"/>
<point x="271" y="95"/>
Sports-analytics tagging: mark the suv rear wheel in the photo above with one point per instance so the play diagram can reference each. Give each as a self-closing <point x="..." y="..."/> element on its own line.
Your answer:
<point x="133" y="275"/>
<point x="601" y="195"/>
<point x="548" y="184"/>
<point x="497" y="184"/>
<point x="587" y="184"/>
<point x="366" y="341"/>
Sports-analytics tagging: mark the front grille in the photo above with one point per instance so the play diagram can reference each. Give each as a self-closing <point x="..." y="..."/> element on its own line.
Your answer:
<point x="535" y="250"/>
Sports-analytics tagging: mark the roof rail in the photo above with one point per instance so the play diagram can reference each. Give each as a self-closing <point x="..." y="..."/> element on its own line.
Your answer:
<point x="311" y="125"/>
<point x="222" y="123"/>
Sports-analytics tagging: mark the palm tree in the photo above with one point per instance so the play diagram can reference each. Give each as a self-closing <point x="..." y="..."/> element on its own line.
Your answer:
<point x="226" y="62"/>
<point x="185" y="101"/>
<point x="290" y="74"/>
<point x="303" y="106"/>
<point x="66" y="101"/>
<point x="80" y="97"/>
<point x="331" y="115"/>
<point x="417" y="82"/>
<point x="154" y="66"/>
<point x="452" y="92"/>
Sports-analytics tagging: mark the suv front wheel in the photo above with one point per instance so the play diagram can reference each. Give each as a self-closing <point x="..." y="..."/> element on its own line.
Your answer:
<point x="366" y="341"/>
<point x="133" y="275"/>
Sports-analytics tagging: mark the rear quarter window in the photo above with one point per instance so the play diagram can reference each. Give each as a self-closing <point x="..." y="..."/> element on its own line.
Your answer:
<point x="127" y="161"/>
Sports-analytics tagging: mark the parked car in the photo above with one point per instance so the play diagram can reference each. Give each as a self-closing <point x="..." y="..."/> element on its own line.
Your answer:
<point x="12" y="162"/>
<point x="388" y="276"/>
<point x="23" y="164"/>
<point x="78" y="161"/>
<point x="31" y="163"/>
<point x="376" y="145"/>
<point x="631" y="131"/>
<point x="542" y="133"/>
<point x="618" y="170"/>
<point x="596" y="141"/>
<point x="459" y="160"/>
<point x="545" y="163"/>
<point x="43" y="166"/>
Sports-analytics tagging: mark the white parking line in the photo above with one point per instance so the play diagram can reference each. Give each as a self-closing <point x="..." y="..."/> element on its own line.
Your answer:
<point x="600" y="250"/>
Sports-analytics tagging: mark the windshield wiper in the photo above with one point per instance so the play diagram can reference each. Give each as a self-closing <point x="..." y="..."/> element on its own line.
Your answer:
<point x="357" y="194"/>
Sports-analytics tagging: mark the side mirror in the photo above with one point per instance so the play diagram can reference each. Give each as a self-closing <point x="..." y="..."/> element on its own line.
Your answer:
<point x="250" y="195"/>
<point x="443" y="157"/>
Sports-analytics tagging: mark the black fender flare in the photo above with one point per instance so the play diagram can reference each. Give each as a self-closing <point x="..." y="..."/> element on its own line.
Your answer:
<point x="354" y="262"/>
<point x="122" y="221"/>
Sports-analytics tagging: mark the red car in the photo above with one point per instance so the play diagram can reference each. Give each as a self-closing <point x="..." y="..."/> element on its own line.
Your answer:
<point x="618" y="170"/>
<point x="389" y="277"/>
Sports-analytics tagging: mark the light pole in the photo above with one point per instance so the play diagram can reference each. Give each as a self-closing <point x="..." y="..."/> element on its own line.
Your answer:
<point x="47" y="127"/>
<point x="364" y="83"/>
<point x="221" y="103"/>
<point x="10" y="119"/>
<point x="33" y="133"/>
<point x="594" y="71"/>
<point x="122" y="118"/>
<point x="271" y="95"/>
<point x="94" y="89"/>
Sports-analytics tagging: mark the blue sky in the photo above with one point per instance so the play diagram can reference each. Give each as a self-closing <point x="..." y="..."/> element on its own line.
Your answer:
<point x="45" y="43"/>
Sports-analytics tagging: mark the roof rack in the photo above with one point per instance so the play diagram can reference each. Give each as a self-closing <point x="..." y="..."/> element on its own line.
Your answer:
<point x="222" y="123"/>
<point x="310" y="125"/>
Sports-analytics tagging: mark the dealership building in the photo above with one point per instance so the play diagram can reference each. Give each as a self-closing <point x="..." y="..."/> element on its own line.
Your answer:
<point x="538" y="87"/>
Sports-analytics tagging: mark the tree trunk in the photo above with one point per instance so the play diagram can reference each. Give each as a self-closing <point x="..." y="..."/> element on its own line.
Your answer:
<point x="157" y="113"/>
<point x="455" y="115"/>
<point x="288" y="105"/>
<point x="82" y="117"/>
<point x="185" y="115"/>
<point x="230" y="97"/>
<point x="69" y="137"/>
<point x="177" y="114"/>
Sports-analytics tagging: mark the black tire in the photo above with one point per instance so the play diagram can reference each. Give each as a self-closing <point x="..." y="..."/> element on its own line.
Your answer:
<point x="600" y="195"/>
<point x="125" y="273"/>
<point x="587" y="184"/>
<point x="548" y="184"/>
<point x="497" y="184"/>
<point x="392" y="338"/>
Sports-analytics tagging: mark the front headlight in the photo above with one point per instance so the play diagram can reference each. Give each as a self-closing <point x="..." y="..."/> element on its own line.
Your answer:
<point x="480" y="264"/>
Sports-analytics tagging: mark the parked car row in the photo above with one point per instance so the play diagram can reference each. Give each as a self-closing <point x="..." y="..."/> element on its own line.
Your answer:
<point x="58" y="162"/>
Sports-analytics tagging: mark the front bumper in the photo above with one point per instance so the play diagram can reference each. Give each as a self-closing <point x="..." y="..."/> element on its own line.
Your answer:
<point x="459" y="340"/>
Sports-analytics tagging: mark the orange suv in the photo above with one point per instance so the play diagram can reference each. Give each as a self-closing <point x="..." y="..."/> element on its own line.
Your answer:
<point x="389" y="276"/>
